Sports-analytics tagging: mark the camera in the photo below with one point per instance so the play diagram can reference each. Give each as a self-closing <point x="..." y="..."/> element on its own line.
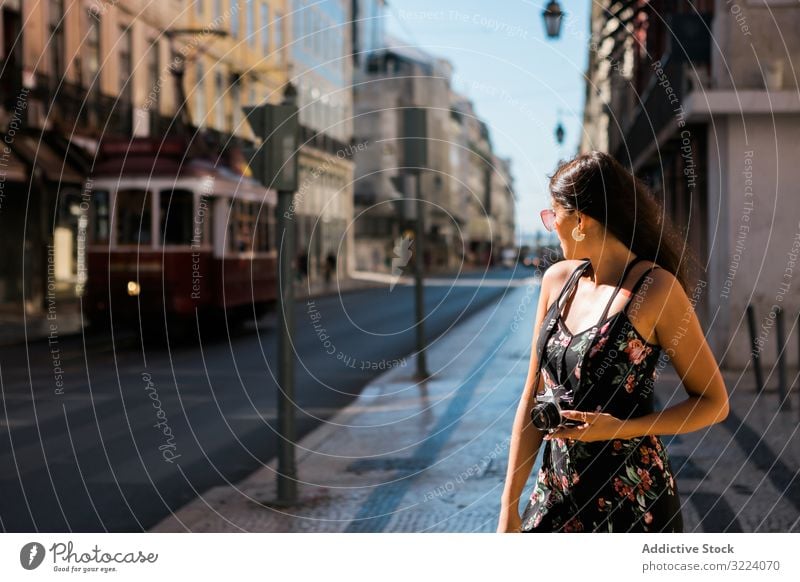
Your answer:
<point x="546" y="413"/>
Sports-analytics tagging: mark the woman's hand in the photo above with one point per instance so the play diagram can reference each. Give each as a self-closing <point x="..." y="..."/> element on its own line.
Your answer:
<point x="510" y="521"/>
<point x="597" y="426"/>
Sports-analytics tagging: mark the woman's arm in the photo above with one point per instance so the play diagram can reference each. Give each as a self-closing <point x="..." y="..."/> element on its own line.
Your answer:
<point x="525" y="438"/>
<point x="680" y="335"/>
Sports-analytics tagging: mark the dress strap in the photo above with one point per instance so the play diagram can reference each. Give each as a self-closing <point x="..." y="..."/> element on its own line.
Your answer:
<point x="571" y="284"/>
<point x="551" y="325"/>
<point x="618" y="287"/>
<point x="638" y="284"/>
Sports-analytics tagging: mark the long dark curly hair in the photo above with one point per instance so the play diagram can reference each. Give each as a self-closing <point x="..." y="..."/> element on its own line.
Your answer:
<point x="596" y="184"/>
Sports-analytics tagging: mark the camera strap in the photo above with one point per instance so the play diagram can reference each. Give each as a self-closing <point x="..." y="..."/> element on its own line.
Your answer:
<point x="554" y="321"/>
<point x="568" y="289"/>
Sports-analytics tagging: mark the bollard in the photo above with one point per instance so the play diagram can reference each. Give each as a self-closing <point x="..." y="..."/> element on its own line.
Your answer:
<point x="754" y="352"/>
<point x="784" y="401"/>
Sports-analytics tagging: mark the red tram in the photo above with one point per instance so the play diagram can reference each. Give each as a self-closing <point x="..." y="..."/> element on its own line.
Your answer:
<point x="171" y="236"/>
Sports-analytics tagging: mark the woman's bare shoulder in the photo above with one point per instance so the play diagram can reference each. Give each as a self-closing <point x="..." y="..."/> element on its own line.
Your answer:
<point x="555" y="277"/>
<point x="660" y="280"/>
<point x="560" y="271"/>
<point x="655" y="291"/>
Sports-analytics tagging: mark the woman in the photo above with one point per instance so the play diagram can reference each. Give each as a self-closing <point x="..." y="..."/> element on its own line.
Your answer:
<point x="609" y="472"/>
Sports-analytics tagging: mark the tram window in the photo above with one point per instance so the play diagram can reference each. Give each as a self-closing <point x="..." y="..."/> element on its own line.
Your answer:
<point x="205" y="215"/>
<point x="272" y="231"/>
<point x="177" y="212"/>
<point x="263" y="240"/>
<point x="241" y="226"/>
<point x="100" y="227"/>
<point x="134" y="217"/>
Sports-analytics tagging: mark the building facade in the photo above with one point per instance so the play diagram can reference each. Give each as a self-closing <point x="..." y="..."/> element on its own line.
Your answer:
<point x="71" y="74"/>
<point x="245" y="65"/>
<point x="75" y="73"/>
<point x="680" y="95"/>
<point x="319" y="54"/>
<point x="461" y="175"/>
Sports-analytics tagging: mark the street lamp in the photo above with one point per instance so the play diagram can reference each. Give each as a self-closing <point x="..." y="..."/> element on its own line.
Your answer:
<point x="552" y="15"/>
<point x="415" y="158"/>
<point x="178" y="67"/>
<point x="275" y="165"/>
<point x="560" y="133"/>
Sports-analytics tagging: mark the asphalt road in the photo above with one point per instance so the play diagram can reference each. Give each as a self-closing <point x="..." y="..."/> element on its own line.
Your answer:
<point x="112" y="433"/>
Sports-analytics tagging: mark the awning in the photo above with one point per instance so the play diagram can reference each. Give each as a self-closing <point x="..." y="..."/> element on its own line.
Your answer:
<point x="39" y="154"/>
<point x="12" y="169"/>
<point x="481" y="228"/>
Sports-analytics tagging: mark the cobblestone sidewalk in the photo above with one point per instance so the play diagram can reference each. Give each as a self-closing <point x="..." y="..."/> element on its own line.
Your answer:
<point x="431" y="456"/>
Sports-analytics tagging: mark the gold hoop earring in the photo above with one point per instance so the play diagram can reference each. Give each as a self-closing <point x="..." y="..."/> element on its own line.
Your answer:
<point x="577" y="234"/>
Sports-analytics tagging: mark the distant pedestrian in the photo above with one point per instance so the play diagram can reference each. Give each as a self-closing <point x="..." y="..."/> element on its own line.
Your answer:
<point x="302" y="265"/>
<point x="330" y="267"/>
<point x="604" y="468"/>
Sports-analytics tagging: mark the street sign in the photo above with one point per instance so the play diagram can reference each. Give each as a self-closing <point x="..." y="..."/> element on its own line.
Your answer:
<point x="275" y="162"/>
<point x="275" y="165"/>
<point x="415" y="142"/>
<point x="406" y="206"/>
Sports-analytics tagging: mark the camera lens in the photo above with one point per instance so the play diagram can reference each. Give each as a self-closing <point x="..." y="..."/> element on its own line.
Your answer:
<point x="545" y="416"/>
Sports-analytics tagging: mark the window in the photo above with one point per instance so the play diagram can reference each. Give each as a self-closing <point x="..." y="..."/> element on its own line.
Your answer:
<point x="125" y="62"/>
<point x="298" y="22"/>
<point x="236" y="94"/>
<point x="278" y="31"/>
<point x="100" y="223"/>
<point x="205" y="214"/>
<point x="265" y="28"/>
<point x="91" y="62"/>
<point x="133" y="217"/>
<point x="177" y="214"/>
<point x="321" y="33"/>
<point x="241" y="227"/>
<point x="200" y="96"/>
<point x="314" y="117"/>
<point x="315" y="32"/>
<point x="308" y="27"/>
<point x="251" y="22"/>
<point x="266" y="228"/>
<point x="217" y="10"/>
<point x="198" y="5"/>
<point x="153" y="90"/>
<point x="219" y="95"/>
<point x="56" y="41"/>
<point x="324" y="35"/>
<point x="235" y="19"/>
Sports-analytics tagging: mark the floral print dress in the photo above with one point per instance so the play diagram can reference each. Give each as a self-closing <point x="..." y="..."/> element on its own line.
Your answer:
<point x="622" y="485"/>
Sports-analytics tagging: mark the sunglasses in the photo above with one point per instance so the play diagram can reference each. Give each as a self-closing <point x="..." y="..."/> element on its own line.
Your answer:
<point x="548" y="219"/>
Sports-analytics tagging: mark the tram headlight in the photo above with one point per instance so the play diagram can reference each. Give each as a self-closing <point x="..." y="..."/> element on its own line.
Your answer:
<point x="133" y="288"/>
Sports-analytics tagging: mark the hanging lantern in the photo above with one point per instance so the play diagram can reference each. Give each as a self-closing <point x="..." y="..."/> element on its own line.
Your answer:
<point x="560" y="133"/>
<point x="552" y="15"/>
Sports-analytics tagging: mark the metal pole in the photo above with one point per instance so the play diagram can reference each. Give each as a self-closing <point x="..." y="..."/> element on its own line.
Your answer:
<point x="419" y="294"/>
<point x="785" y="404"/>
<point x="287" y="469"/>
<point x="755" y="351"/>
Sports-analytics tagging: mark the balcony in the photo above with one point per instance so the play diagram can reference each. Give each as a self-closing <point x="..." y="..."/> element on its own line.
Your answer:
<point x="10" y="84"/>
<point x="657" y="114"/>
<point x="325" y="143"/>
<point x="77" y="110"/>
<point x="661" y="105"/>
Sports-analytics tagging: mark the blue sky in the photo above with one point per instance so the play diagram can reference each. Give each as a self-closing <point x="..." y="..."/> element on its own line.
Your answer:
<point x="518" y="80"/>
